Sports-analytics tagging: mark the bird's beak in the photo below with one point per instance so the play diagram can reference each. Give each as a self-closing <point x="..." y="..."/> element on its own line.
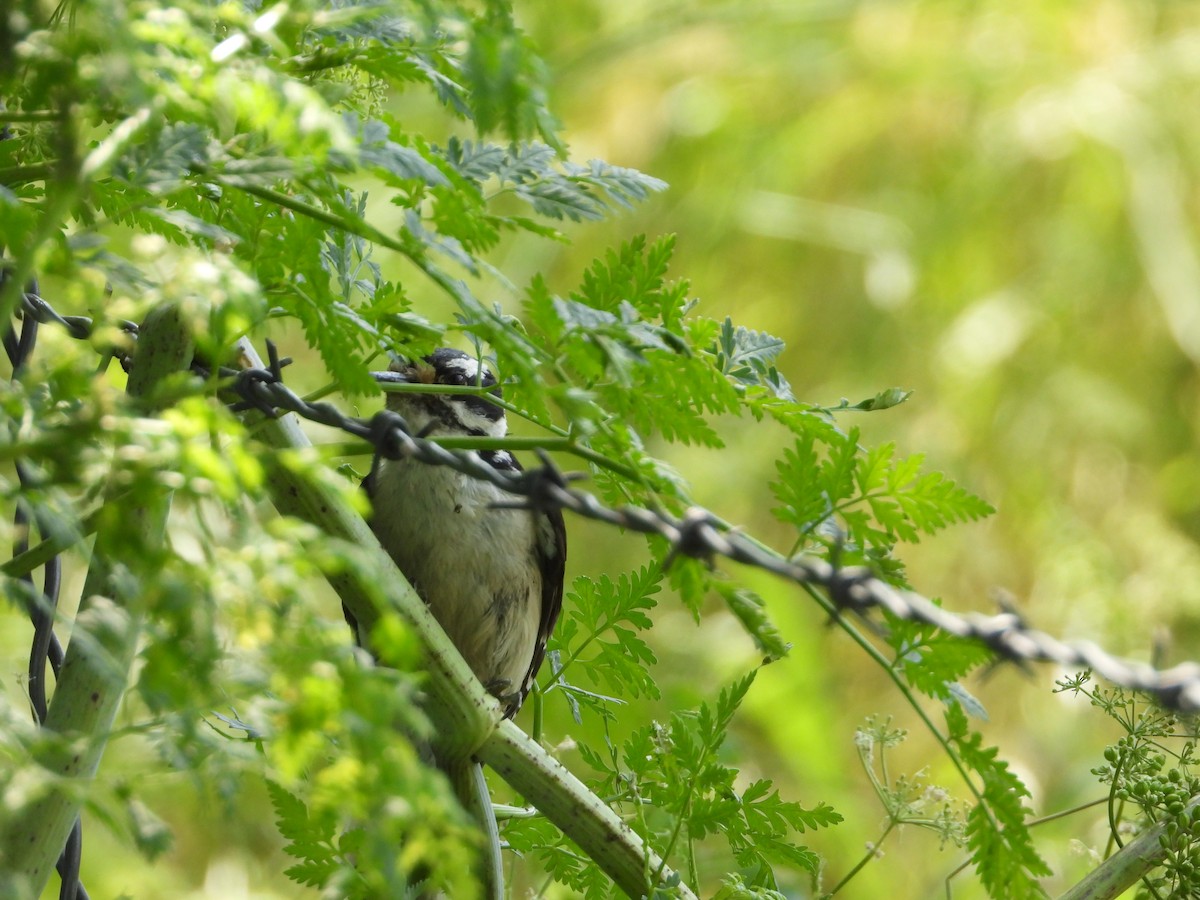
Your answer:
<point x="392" y="377"/>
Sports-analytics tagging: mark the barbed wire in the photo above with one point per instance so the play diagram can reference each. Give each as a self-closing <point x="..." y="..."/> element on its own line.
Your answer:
<point x="45" y="649"/>
<point x="699" y="534"/>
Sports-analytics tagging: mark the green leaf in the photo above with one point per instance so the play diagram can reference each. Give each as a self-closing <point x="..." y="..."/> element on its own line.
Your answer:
<point x="692" y="580"/>
<point x="163" y="165"/>
<point x="193" y="225"/>
<point x="623" y="186"/>
<point x="309" y="841"/>
<point x="912" y="504"/>
<point x="378" y="151"/>
<point x="748" y="357"/>
<point x="931" y="660"/>
<point x="734" y="888"/>
<point x="811" y="488"/>
<point x="883" y="400"/>
<point x="601" y="631"/>
<point x="506" y="79"/>
<point x="476" y="161"/>
<point x="766" y="811"/>
<point x="635" y="273"/>
<point x="997" y="834"/>
<point x="750" y="610"/>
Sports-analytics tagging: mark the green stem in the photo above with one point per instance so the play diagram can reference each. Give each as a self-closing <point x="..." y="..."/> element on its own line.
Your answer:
<point x="1125" y="868"/>
<point x="466" y="716"/>
<point x="1063" y="813"/>
<point x="99" y="657"/>
<point x="582" y="816"/>
<point x="32" y="115"/>
<point x="873" y="652"/>
<point x="316" y="213"/>
<point x="512" y="442"/>
<point x="1113" y="815"/>
<point x="10" y="175"/>
<point x="693" y="787"/>
<point x="42" y="553"/>
<point x="867" y="857"/>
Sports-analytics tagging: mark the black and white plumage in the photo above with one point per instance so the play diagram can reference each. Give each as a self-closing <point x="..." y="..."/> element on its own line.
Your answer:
<point x="492" y="577"/>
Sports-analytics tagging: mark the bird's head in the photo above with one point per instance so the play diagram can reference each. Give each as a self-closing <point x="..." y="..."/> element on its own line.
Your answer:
<point x="456" y="414"/>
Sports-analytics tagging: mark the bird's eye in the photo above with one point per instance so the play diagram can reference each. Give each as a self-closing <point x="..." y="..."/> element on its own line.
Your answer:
<point x="454" y="378"/>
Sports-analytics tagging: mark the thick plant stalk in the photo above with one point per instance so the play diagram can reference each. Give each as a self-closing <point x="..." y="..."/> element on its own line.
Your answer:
<point x="566" y="801"/>
<point x="468" y="719"/>
<point x="96" y="667"/>
<point x="462" y="710"/>
<point x="1123" y="869"/>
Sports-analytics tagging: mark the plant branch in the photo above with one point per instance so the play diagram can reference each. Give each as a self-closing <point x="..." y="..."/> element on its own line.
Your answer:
<point x="95" y="671"/>
<point x="872" y="853"/>
<point x="467" y="717"/>
<point x="1132" y="862"/>
<point x="582" y="816"/>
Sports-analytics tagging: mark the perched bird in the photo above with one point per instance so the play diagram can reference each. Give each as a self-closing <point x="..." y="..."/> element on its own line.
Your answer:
<point x="492" y="577"/>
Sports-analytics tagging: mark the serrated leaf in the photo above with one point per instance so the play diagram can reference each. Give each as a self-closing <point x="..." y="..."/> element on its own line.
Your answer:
<point x="601" y="630"/>
<point x="624" y="185"/>
<point x="932" y="660"/>
<point x="690" y="578"/>
<point x="573" y="314"/>
<point x="748" y="357"/>
<point x="290" y="811"/>
<point x="163" y="165"/>
<point x="476" y="161"/>
<point x="741" y="345"/>
<point x="506" y="79"/>
<point x="312" y="872"/>
<point x="905" y="503"/>
<point x="734" y="888"/>
<point x="378" y="151"/>
<point x="997" y="832"/>
<point x="750" y="610"/>
<point x="194" y="225"/>
<point x="810" y="488"/>
<point x="561" y="198"/>
<point x="309" y="841"/>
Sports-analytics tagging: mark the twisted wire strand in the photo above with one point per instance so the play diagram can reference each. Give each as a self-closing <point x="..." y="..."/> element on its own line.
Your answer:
<point x="699" y="534"/>
<point x="45" y="648"/>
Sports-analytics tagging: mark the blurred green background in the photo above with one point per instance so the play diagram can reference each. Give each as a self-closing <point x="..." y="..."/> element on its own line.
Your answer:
<point x="991" y="204"/>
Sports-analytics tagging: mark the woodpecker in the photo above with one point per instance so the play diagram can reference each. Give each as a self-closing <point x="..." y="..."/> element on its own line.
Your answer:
<point x="492" y="577"/>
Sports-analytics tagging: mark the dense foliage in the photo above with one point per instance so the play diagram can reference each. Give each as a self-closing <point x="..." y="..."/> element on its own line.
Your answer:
<point x="252" y="169"/>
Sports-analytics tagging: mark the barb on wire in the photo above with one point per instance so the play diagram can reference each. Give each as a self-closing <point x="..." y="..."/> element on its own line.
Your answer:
<point x="699" y="534"/>
<point x="79" y="327"/>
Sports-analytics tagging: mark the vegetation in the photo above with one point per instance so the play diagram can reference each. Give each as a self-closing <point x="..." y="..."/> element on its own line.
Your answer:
<point x="354" y="180"/>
